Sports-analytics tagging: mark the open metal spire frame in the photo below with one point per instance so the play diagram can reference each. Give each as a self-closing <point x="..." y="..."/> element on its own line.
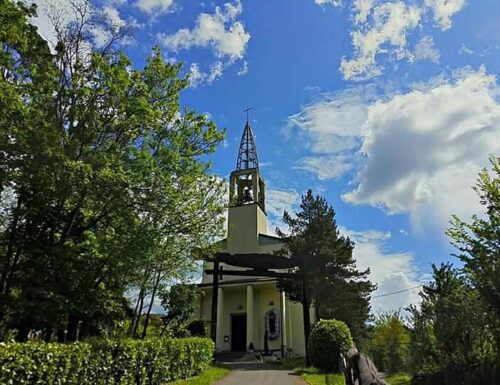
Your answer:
<point x="247" y="154"/>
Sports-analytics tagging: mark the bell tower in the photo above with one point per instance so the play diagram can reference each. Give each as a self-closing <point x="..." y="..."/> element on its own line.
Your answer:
<point x="247" y="213"/>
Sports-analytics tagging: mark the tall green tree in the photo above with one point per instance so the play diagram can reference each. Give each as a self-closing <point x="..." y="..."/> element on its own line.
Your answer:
<point x="478" y="242"/>
<point x="181" y="302"/>
<point x="389" y="342"/>
<point x="105" y="180"/>
<point x="326" y="273"/>
<point x="451" y="326"/>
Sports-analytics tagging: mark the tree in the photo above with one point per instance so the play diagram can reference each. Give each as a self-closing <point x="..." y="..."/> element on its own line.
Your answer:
<point x="181" y="302"/>
<point x="478" y="242"/>
<point x="451" y="328"/>
<point x="326" y="272"/>
<point x="105" y="179"/>
<point x="390" y="339"/>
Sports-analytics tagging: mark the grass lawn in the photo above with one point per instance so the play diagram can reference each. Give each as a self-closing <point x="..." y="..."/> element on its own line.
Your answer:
<point x="399" y="379"/>
<point x="208" y="377"/>
<point x="315" y="377"/>
<point x="312" y="375"/>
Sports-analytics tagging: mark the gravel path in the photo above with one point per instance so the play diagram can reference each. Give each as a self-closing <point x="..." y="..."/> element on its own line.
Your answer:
<point x="259" y="374"/>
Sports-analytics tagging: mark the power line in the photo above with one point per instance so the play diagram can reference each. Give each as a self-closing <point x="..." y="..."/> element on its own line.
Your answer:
<point x="397" y="292"/>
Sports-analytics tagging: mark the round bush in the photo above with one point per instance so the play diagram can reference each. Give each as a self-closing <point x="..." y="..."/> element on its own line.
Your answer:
<point x="328" y="339"/>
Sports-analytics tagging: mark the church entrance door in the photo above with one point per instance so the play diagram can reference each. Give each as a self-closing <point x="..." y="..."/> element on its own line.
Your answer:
<point x="238" y="332"/>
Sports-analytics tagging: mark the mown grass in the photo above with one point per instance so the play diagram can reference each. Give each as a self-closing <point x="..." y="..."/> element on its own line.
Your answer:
<point x="398" y="379"/>
<point x="312" y="375"/>
<point x="208" y="377"/>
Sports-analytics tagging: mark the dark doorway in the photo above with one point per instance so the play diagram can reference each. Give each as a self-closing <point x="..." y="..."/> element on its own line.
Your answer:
<point x="238" y="332"/>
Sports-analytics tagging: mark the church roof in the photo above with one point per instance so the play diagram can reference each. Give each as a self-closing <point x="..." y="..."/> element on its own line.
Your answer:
<point x="247" y="154"/>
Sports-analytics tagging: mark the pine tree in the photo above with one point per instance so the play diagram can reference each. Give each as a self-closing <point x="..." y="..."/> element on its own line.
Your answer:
<point x="326" y="274"/>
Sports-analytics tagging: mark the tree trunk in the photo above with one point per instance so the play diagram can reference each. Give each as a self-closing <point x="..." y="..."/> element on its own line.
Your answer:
<point x="153" y="293"/>
<point x="137" y="313"/>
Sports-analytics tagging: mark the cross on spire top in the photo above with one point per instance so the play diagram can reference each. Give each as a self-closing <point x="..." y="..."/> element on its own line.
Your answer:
<point x="247" y="110"/>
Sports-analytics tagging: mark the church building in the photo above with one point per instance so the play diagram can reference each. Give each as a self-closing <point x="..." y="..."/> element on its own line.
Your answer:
<point x="249" y="308"/>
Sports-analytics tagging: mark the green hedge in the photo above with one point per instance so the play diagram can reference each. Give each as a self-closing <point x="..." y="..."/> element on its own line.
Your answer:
<point x="328" y="339"/>
<point x="104" y="362"/>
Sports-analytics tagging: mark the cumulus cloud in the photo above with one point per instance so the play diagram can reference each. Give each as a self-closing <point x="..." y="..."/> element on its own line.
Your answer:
<point x="381" y="30"/>
<point x="362" y="9"/>
<point x="392" y="272"/>
<point x="102" y="23"/>
<point x="443" y="10"/>
<point x="326" y="167"/>
<point x="425" y="50"/>
<point x="52" y="11"/>
<point x="154" y="6"/>
<point x="198" y="77"/>
<point x="385" y="33"/>
<point x="421" y="150"/>
<point x="424" y="148"/>
<point x="220" y="31"/>
<point x="332" y="124"/>
<point x="278" y="201"/>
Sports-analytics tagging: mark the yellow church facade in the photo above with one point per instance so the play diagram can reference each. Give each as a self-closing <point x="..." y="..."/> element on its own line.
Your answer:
<point x="250" y="309"/>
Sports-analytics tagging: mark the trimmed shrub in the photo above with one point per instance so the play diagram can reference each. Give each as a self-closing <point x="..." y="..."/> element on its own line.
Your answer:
<point x="328" y="339"/>
<point x="104" y="362"/>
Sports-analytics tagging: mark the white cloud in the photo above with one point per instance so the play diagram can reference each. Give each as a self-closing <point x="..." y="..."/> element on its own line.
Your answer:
<point x="384" y="34"/>
<point x="49" y="11"/>
<point x="423" y="149"/>
<point x="244" y="68"/>
<point x="390" y="271"/>
<point x="198" y="77"/>
<point x="335" y="3"/>
<point x="444" y="10"/>
<point x="277" y="201"/>
<point x="154" y="6"/>
<point x="110" y="22"/>
<point x="464" y="50"/>
<point x="425" y="50"/>
<point x="102" y="22"/>
<point x="326" y="166"/>
<point x="362" y="9"/>
<point x="331" y="125"/>
<point x="220" y="31"/>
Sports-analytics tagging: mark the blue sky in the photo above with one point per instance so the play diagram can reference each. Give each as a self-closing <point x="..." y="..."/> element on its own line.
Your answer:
<point x="388" y="108"/>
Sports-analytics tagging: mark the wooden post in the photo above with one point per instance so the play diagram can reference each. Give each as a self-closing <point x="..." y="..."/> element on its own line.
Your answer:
<point x="215" y="295"/>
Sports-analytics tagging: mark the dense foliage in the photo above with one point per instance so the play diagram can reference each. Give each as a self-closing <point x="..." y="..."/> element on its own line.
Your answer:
<point x="478" y="244"/>
<point x="326" y="265"/>
<point x="181" y="302"/>
<point x="455" y="337"/>
<point x="134" y="362"/>
<point x="105" y="188"/>
<point x="389" y="343"/>
<point x="451" y="329"/>
<point x="328" y="339"/>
